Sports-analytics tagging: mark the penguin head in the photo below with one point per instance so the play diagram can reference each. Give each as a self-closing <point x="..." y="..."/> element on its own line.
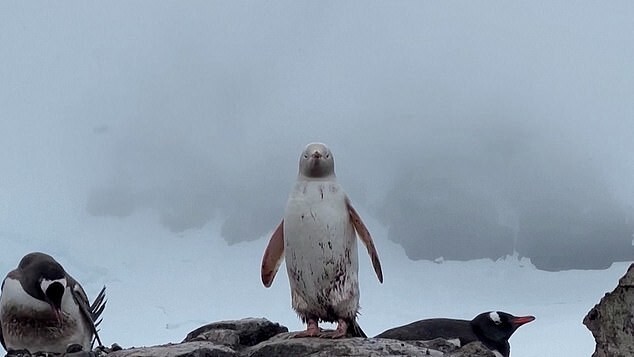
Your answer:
<point x="498" y="325"/>
<point x="316" y="161"/>
<point x="45" y="280"/>
<point x="53" y="292"/>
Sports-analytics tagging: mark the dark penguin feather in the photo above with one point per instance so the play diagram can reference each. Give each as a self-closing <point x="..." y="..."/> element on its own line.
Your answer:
<point x="354" y="330"/>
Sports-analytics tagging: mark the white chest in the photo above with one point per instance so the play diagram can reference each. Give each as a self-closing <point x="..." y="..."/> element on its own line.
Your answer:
<point x="316" y="213"/>
<point x="319" y="238"/>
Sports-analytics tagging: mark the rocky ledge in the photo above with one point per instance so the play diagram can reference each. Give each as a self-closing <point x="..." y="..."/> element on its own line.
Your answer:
<point x="611" y="321"/>
<point x="258" y="337"/>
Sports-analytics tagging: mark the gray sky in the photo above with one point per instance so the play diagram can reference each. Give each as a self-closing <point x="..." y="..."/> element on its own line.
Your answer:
<point x="200" y="109"/>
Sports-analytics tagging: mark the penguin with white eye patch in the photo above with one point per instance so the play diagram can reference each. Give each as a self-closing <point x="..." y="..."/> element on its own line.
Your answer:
<point x="492" y="328"/>
<point x="44" y="310"/>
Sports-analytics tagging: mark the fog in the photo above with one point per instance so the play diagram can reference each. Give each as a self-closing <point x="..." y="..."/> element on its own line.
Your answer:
<point x="470" y="131"/>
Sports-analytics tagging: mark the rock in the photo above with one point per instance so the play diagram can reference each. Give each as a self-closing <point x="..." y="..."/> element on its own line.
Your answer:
<point x="185" y="349"/>
<point x="225" y="337"/>
<point x="438" y="344"/>
<point x="285" y="345"/>
<point x="72" y="351"/>
<point x="237" y="333"/>
<point x="258" y="337"/>
<point x="611" y="321"/>
<point x="80" y="354"/>
<point x="472" y="349"/>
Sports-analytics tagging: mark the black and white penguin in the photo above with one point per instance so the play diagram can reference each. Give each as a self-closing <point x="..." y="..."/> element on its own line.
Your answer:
<point x="43" y="309"/>
<point x="493" y="329"/>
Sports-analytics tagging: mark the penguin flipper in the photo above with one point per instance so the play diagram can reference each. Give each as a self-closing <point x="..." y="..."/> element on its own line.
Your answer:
<point x="2" y="339"/>
<point x="366" y="238"/>
<point x="273" y="256"/>
<point x="81" y="299"/>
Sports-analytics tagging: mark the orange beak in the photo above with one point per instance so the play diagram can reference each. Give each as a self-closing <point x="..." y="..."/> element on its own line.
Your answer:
<point x="521" y="320"/>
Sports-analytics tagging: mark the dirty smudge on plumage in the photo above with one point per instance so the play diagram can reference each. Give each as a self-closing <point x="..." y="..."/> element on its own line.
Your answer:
<point x="321" y="252"/>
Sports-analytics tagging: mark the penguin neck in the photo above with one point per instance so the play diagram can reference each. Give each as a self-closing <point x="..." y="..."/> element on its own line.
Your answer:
<point x="503" y="347"/>
<point x="326" y="177"/>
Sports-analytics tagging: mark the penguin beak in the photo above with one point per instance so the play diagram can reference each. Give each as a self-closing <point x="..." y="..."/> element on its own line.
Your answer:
<point x="316" y="155"/>
<point x="53" y="295"/>
<point x="58" y="314"/>
<point x="521" y="320"/>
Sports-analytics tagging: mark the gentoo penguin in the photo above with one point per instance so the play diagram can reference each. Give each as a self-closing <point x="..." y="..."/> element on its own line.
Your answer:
<point x="317" y="237"/>
<point x="493" y="329"/>
<point x="43" y="309"/>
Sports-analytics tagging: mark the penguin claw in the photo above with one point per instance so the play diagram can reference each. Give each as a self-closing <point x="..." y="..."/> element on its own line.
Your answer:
<point x="338" y="334"/>
<point x="341" y="331"/>
<point x="312" y="330"/>
<point x="326" y="334"/>
<point x="308" y="333"/>
<point x="18" y="353"/>
<point x="74" y="348"/>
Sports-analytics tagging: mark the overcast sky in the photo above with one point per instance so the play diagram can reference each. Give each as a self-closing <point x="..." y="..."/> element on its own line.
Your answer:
<point x="200" y="109"/>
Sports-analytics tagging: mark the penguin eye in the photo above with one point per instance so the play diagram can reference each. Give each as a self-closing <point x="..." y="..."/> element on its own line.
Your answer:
<point x="497" y="322"/>
<point x="305" y="156"/>
<point x="328" y="156"/>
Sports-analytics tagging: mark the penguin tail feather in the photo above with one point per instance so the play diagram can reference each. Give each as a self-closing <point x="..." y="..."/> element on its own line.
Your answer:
<point x="354" y="330"/>
<point x="97" y="307"/>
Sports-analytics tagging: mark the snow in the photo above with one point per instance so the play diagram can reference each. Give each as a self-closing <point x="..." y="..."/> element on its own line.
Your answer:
<point x="161" y="285"/>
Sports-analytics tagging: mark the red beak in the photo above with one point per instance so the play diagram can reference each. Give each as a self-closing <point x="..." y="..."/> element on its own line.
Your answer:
<point x="521" y="320"/>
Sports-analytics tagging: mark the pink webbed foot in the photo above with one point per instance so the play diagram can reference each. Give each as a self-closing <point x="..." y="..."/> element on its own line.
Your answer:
<point x="312" y="330"/>
<point x="342" y="329"/>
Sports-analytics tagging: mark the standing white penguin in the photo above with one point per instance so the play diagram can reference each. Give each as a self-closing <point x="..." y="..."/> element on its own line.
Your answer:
<point x="317" y="237"/>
